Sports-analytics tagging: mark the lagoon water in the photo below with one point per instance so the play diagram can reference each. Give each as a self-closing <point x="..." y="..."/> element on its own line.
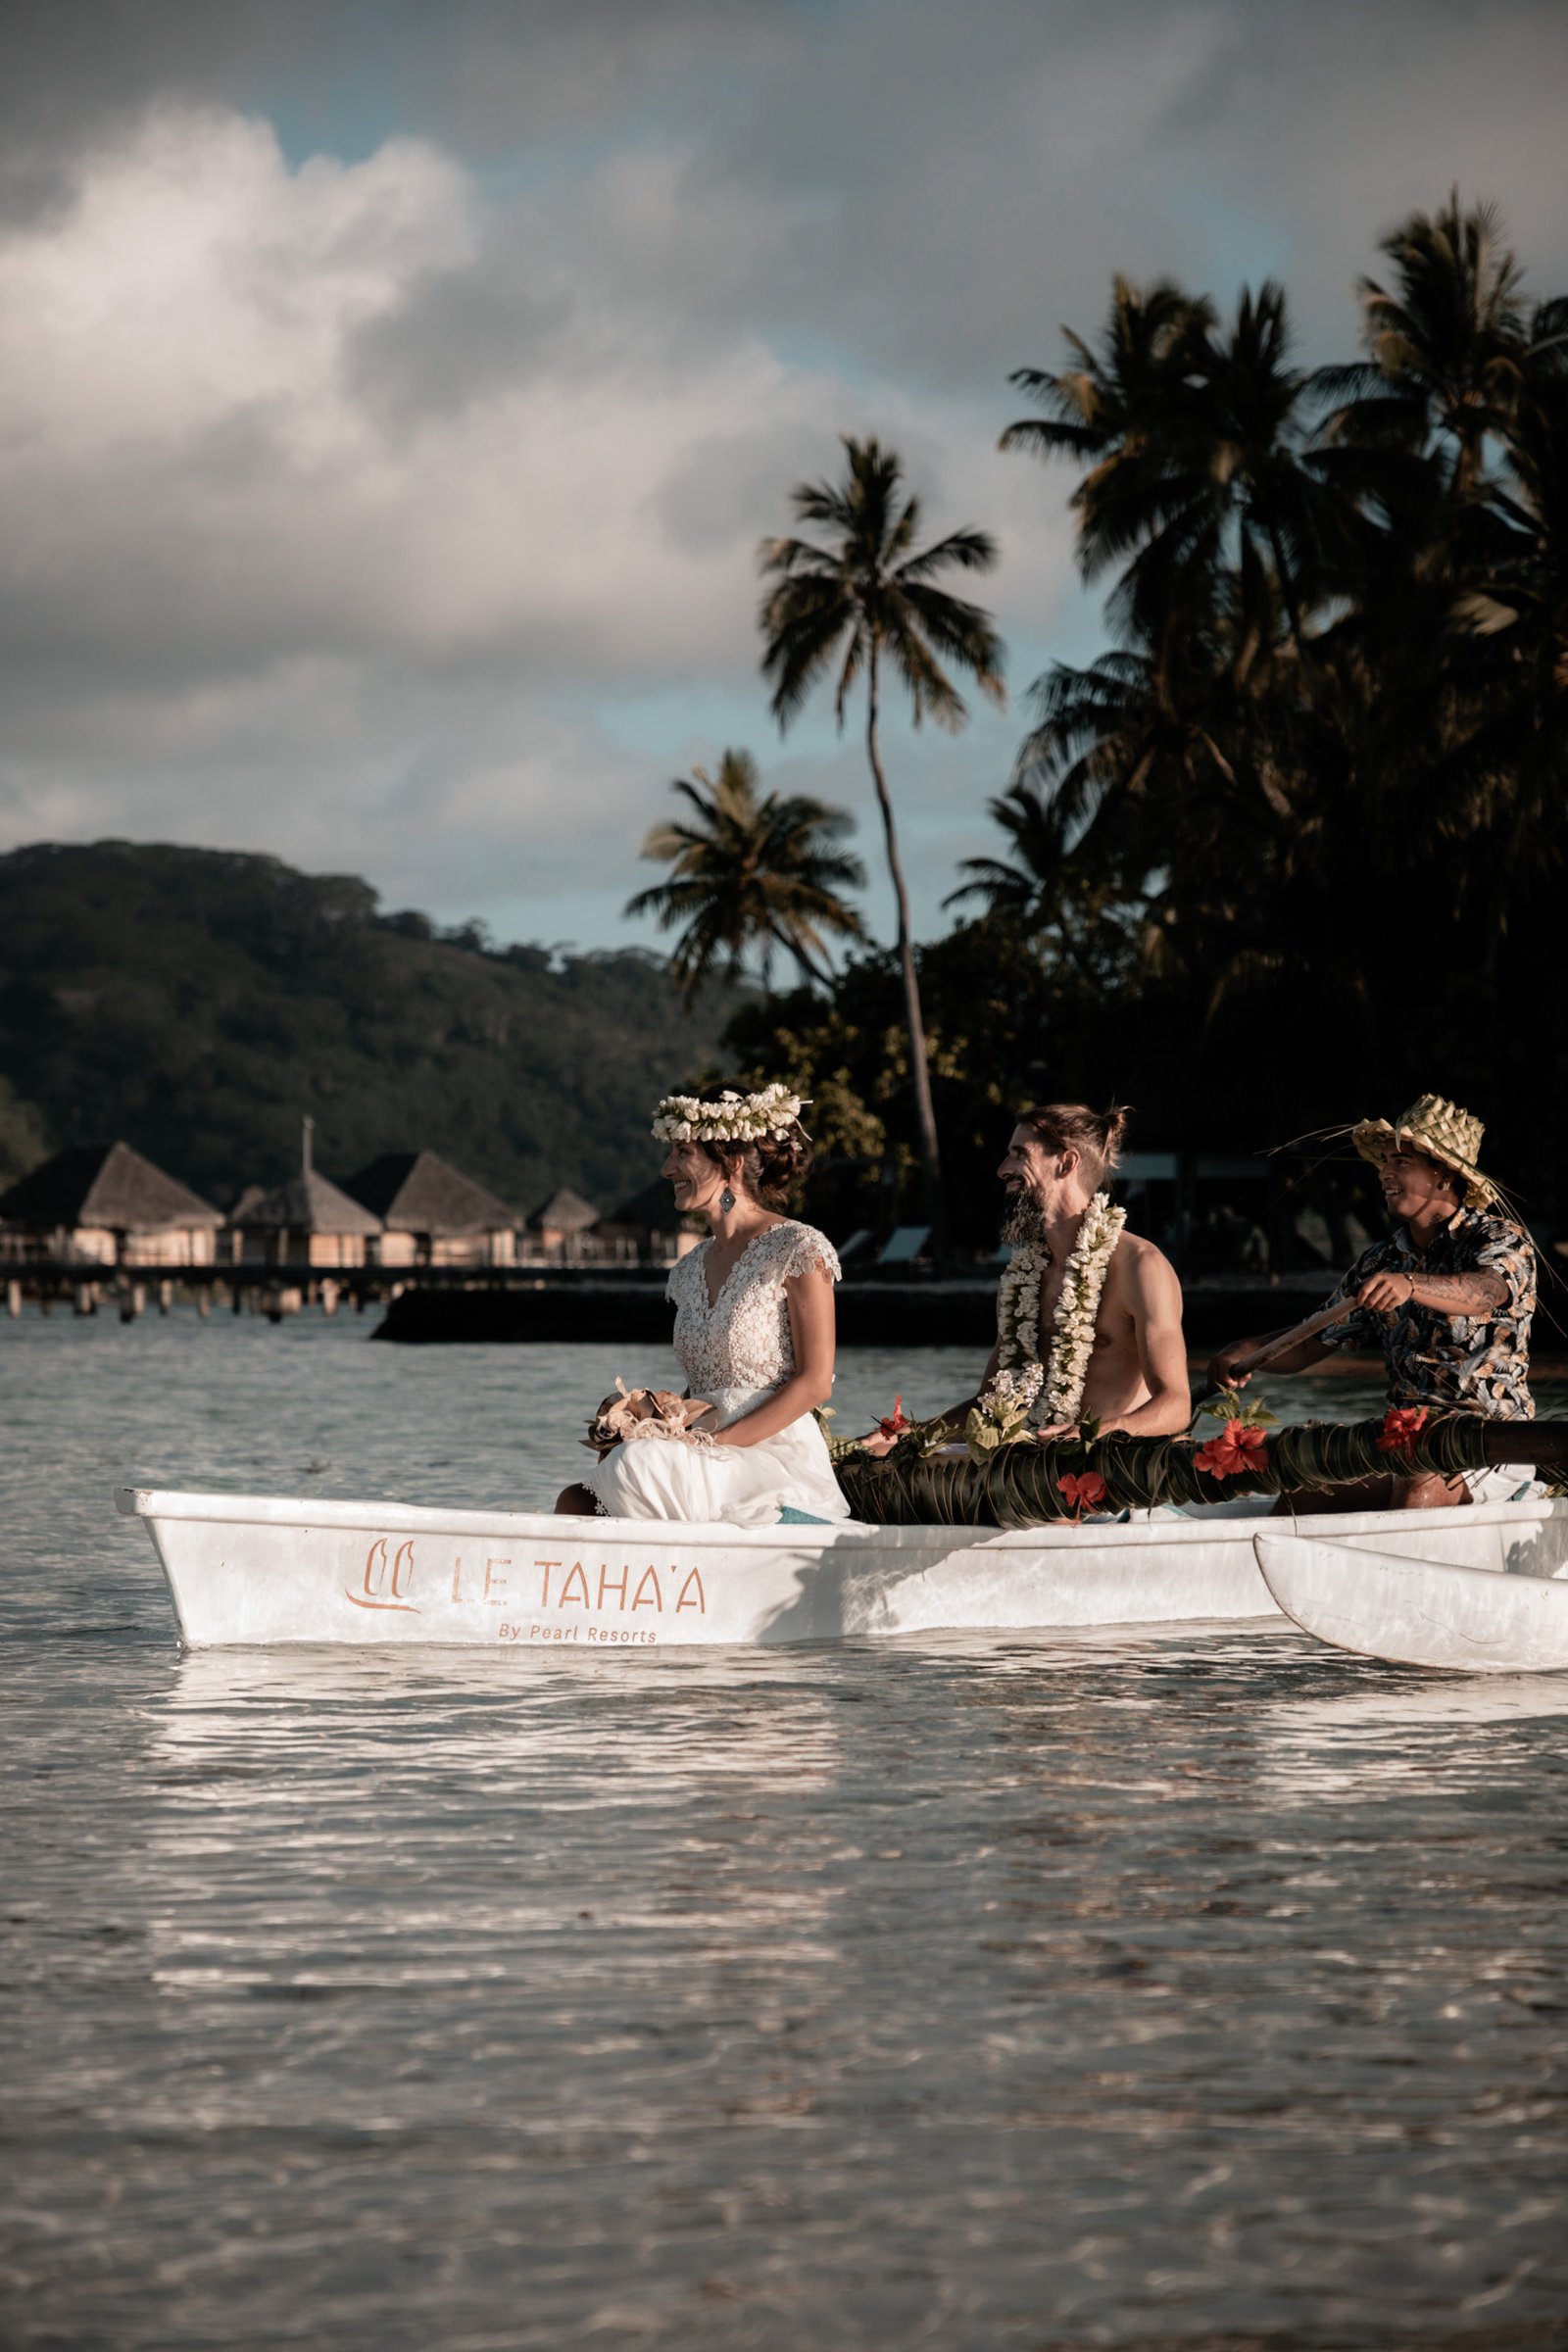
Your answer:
<point x="1147" y="1993"/>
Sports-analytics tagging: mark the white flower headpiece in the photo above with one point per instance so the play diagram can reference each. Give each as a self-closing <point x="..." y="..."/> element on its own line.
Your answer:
<point x="733" y="1119"/>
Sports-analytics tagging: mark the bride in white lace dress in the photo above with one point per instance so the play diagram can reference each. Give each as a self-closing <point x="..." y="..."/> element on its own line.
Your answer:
<point x="754" y="1331"/>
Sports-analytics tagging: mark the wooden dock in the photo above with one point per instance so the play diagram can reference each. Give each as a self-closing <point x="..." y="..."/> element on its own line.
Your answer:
<point x="431" y="1306"/>
<point x="958" y="1311"/>
<point x="436" y="1307"/>
<point x="127" y="1293"/>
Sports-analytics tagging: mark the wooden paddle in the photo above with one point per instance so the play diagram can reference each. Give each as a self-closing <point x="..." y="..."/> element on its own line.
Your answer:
<point x="1542" y="1443"/>
<point x="1271" y="1353"/>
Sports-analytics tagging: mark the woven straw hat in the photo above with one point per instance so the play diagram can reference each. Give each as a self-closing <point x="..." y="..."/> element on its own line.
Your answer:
<point x="1439" y="1128"/>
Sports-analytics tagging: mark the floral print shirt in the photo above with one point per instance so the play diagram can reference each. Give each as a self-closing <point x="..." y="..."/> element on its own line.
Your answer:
<point x="1455" y="1363"/>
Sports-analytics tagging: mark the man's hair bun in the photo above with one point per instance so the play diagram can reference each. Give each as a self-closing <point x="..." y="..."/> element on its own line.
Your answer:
<point x="1094" y="1135"/>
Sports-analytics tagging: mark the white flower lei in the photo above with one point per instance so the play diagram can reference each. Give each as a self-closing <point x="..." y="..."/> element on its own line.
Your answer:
<point x="1021" y="1375"/>
<point x="733" y="1119"/>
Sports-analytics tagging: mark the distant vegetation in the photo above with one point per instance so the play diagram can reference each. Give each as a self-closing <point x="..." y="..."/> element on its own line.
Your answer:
<point x="197" y="1001"/>
<point x="1295" y="847"/>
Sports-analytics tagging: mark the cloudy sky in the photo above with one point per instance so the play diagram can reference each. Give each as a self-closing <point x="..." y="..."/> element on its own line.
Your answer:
<point x="392" y="395"/>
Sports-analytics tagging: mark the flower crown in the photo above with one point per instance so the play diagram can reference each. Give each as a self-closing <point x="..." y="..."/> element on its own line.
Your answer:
<point x="732" y="1120"/>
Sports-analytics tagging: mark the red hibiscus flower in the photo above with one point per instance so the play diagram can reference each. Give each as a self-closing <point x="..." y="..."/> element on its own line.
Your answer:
<point x="897" y="1422"/>
<point x="1402" y="1424"/>
<point x="1083" y="1490"/>
<point x="1238" y="1449"/>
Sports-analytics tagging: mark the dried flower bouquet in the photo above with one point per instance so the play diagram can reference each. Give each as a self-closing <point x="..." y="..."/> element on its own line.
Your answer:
<point x="629" y="1414"/>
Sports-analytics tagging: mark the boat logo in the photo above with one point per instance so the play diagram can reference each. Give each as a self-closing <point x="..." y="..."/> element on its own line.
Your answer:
<point x="387" y="1578"/>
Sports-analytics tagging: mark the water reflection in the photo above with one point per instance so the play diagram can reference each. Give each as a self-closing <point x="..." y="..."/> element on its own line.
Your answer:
<point x="1368" y="1743"/>
<point x="501" y="1794"/>
<point x="1126" y="1992"/>
<point x="939" y="1985"/>
<point x="536" y="1714"/>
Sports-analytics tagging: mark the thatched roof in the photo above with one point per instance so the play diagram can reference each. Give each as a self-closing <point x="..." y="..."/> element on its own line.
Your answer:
<point x="419" y="1192"/>
<point x="306" y="1203"/>
<point x="565" y="1211"/>
<point x="104" y="1185"/>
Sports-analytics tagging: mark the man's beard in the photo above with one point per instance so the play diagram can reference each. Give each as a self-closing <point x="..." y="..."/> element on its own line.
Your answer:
<point x="1024" y="1221"/>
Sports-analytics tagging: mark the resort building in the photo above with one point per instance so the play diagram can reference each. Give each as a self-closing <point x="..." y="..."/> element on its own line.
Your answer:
<point x="647" y="1227"/>
<point x="433" y="1215"/>
<point x="306" y="1222"/>
<point x="562" y="1229"/>
<point x="104" y="1204"/>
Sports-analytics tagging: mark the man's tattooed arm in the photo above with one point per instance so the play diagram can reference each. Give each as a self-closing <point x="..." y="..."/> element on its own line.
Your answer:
<point x="1479" y="1294"/>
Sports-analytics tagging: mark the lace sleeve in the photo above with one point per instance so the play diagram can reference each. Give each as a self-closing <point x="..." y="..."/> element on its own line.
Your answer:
<point x="807" y="1252"/>
<point x="677" y="1287"/>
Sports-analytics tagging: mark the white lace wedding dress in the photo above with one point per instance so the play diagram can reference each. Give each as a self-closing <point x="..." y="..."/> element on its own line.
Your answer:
<point x="735" y="1351"/>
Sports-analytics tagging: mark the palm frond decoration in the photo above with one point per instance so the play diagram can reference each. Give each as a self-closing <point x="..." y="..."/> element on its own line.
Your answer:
<point x="1021" y="1486"/>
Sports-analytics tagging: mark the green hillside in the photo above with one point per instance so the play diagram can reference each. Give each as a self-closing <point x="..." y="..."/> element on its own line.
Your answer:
<point x="197" y="1001"/>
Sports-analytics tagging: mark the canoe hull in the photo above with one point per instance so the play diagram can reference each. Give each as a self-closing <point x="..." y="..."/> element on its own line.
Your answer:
<point x="268" y="1570"/>
<point x="1417" y="1612"/>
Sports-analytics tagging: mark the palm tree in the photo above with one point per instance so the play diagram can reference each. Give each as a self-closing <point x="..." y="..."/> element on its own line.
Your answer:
<point x="1027" y="884"/>
<point x="1514" y="765"/>
<point x="1053" y="899"/>
<point x="1446" y="347"/>
<point x="1103" y="406"/>
<point x="1195" y="442"/>
<point x="868" y="597"/>
<point x="750" y="873"/>
<point x="1127" y="757"/>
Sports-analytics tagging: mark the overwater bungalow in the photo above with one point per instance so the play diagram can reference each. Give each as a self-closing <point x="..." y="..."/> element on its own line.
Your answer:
<point x="307" y="1222"/>
<point x="433" y="1215"/>
<point x="563" y="1227"/>
<point x="105" y="1205"/>
<point x="648" y="1226"/>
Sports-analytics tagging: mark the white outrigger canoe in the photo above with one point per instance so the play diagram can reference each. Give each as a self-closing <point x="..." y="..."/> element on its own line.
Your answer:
<point x="264" y="1570"/>
<point x="1416" y="1612"/>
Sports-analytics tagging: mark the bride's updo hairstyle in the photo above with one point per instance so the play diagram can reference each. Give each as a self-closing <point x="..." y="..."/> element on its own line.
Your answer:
<point x="1096" y="1135"/>
<point x="760" y="1133"/>
<point x="772" y="1169"/>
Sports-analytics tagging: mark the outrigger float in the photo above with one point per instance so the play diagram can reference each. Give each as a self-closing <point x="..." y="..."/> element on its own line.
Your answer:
<point x="264" y="1570"/>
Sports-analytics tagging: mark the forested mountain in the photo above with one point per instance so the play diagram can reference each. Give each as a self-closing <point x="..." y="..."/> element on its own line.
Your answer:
<point x="198" y="1001"/>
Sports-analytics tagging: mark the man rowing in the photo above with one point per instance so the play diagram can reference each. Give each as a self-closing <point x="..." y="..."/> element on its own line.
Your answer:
<point x="1448" y="1296"/>
<point x="1089" y="1317"/>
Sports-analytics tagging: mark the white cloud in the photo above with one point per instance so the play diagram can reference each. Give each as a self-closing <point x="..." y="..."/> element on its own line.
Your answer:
<point x="398" y="512"/>
<point x="186" y="407"/>
<point x="270" y="578"/>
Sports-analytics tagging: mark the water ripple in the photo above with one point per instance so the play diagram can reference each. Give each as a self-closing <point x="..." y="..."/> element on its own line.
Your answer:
<point x="1174" y="1991"/>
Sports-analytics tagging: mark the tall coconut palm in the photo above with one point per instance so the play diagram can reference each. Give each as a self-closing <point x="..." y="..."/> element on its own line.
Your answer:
<point x="748" y="873"/>
<point x="1194" y="436"/>
<point x="1057" y="901"/>
<point x="869" y="599"/>
<point x="1027" y="884"/>
<point x="1447" y="345"/>
<point x="1127" y="757"/>
<point x="1101" y="406"/>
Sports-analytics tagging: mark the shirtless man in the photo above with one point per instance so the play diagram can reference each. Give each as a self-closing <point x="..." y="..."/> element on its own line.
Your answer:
<point x="1137" y="1377"/>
